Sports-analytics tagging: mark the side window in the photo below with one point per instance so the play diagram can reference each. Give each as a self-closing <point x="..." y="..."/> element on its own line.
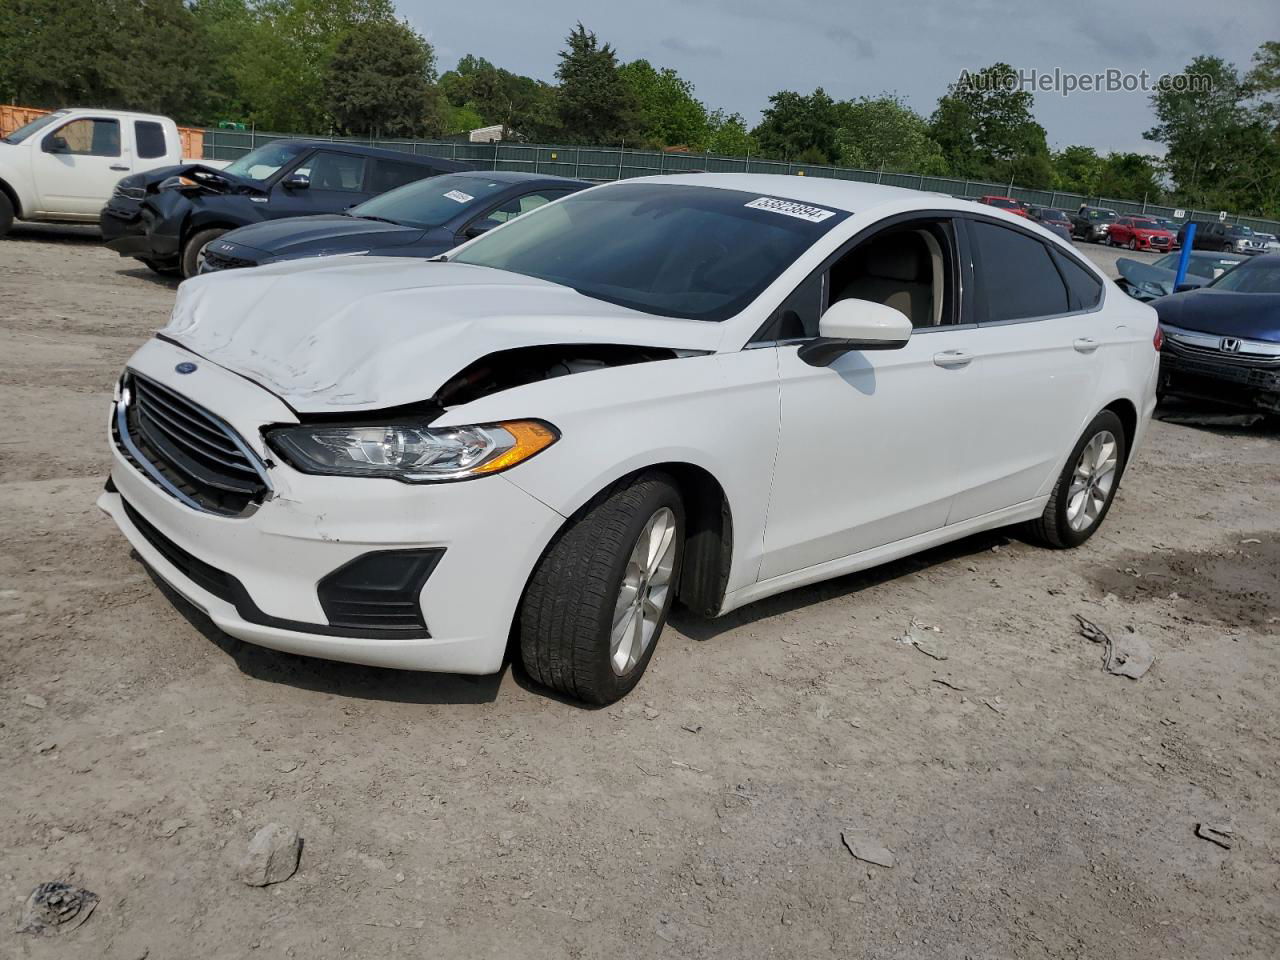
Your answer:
<point x="389" y="174"/>
<point x="910" y="266"/>
<point x="334" y="171"/>
<point x="519" y="206"/>
<point x="1084" y="288"/>
<point x="150" y="137"/>
<point x="90" y="137"/>
<point x="1015" y="276"/>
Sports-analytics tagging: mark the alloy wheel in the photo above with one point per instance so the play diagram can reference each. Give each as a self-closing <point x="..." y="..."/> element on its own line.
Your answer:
<point x="642" y="598"/>
<point x="1092" y="481"/>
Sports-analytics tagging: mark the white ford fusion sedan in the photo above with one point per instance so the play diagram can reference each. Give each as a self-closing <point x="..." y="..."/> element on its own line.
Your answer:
<point x="705" y="389"/>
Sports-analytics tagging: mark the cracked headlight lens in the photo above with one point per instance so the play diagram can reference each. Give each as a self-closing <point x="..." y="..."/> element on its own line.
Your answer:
<point x="412" y="453"/>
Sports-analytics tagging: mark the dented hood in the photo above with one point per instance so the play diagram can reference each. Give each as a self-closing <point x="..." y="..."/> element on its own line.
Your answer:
<point x="363" y="333"/>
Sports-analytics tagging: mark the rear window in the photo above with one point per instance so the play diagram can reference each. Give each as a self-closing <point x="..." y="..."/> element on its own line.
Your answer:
<point x="1016" y="278"/>
<point x="1083" y="286"/>
<point x="150" y="137"/>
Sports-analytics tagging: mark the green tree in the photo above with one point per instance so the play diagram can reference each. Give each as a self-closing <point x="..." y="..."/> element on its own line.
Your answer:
<point x="884" y="132"/>
<point x="666" y="111"/>
<point x="380" y="82"/>
<point x="985" y="127"/>
<point x="594" y="104"/>
<point x="728" y="135"/>
<point x="1076" y="170"/>
<point x="524" y="106"/>
<point x="800" y="128"/>
<point x="285" y="57"/>
<point x="1130" y="176"/>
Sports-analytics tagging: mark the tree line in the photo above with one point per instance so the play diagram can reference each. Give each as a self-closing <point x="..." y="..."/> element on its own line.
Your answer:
<point x="353" y="67"/>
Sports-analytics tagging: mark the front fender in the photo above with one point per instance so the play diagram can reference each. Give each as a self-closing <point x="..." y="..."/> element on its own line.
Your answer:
<point x="18" y="187"/>
<point x="718" y="412"/>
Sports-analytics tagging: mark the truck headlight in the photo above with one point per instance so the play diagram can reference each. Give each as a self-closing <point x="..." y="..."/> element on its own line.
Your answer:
<point x="411" y="453"/>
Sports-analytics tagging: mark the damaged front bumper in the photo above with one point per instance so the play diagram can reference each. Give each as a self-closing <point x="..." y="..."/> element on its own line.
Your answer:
<point x="1228" y="370"/>
<point x="149" y="229"/>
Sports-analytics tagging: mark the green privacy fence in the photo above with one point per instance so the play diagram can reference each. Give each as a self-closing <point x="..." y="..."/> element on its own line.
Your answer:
<point x="619" y="163"/>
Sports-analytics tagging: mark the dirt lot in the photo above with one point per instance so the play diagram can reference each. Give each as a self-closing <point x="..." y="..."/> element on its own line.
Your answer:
<point x="1036" y="806"/>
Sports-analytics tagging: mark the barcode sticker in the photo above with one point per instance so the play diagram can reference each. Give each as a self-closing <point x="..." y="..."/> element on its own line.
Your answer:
<point x="459" y="196"/>
<point x="789" y="208"/>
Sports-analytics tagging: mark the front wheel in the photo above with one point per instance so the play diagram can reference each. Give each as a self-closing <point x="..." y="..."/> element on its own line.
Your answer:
<point x="1086" y="486"/>
<point x="6" y="213"/>
<point x="599" y="597"/>
<point x="1133" y="245"/>
<point x="193" y="252"/>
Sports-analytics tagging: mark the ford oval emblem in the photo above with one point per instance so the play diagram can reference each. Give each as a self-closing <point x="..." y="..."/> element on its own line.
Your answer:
<point x="186" y="366"/>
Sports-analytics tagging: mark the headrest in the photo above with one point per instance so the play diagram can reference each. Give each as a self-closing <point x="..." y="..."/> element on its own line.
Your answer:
<point x="896" y="257"/>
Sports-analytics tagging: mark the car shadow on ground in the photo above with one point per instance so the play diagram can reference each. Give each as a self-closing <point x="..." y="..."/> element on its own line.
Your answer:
<point x="142" y="272"/>
<point x="701" y="629"/>
<point x="1223" y="420"/>
<point x="329" y="676"/>
<point x="69" y="233"/>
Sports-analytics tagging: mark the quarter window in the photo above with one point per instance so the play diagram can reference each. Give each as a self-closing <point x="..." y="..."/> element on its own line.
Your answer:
<point x="90" y="137"/>
<point x="389" y="174"/>
<point x="150" y="137"/>
<point x="1015" y="276"/>
<point x="518" y="206"/>
<point x="1084" y="287"/>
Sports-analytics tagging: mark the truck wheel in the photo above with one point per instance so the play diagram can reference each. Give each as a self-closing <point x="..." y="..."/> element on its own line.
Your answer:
<point x="1086" y="487"/>
<point x="193" y="252"/>
<point x="600" y="595"/>
<point x="164" y="269"/>
<point x="6" y="214"/>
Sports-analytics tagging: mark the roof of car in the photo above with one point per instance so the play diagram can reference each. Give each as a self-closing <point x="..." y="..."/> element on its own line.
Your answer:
<point x="360" y="149"/>
<point x="848" y="195"/>
<point x="521" y="176"/>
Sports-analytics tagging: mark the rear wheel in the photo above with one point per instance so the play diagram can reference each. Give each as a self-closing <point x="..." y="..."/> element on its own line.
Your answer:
<point x="1086" y="486"/>
<point x="6" y="214"/>
<point x="193" y="252"/>
<point x="599" y="597"/>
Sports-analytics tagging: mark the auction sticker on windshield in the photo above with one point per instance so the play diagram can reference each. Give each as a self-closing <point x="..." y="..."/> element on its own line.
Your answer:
<point x="459" y="196"/>
<point x="790" y="208"/>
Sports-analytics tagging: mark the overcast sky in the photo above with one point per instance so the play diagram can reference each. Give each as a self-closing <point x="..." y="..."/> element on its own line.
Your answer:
<point x="738" y="52"/>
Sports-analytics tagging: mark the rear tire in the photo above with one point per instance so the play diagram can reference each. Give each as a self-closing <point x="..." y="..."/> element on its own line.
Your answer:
<point x="193" y="252"/>
<point x="6" y="214"/>
<point x="616" y="561"/>
<point x="1086" y="487"/>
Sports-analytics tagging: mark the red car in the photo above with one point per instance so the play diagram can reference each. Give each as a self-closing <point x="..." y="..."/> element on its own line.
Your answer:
<point x="1005" y="203"/>
<point x="1140" y="233"/>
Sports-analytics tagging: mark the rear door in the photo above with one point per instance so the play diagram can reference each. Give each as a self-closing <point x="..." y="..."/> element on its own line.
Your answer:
<point x="78" y="166"/>
<point x="1042" y="339"/>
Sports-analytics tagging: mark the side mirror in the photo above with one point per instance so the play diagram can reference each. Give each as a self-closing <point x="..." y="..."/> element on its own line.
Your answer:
<point x="297" y="181"/>
<point x="855" y="325"/>
<point x="55" y="144"/>
<point x="479" y="227"/>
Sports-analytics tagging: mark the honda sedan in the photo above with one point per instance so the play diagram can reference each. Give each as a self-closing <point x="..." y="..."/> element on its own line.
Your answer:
<point x="704" y="389"/>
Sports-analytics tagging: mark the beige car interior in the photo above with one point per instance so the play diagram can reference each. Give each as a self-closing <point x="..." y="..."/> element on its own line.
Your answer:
<point x="903" y="269"/>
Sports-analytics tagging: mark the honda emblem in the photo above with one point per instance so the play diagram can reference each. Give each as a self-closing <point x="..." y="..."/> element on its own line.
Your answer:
<point x="1230" y="345"/>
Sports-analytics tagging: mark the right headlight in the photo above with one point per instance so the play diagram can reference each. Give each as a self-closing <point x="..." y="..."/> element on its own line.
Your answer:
<point x="411" y="453"/>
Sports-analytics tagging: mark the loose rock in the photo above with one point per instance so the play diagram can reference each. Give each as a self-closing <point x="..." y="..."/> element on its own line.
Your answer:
<point x="56" y="907"/>
<point x="35" y="700"/>
<point x="868" y="850"/>
<point x="272" y="857"/>
<point x="1222" y="836"/>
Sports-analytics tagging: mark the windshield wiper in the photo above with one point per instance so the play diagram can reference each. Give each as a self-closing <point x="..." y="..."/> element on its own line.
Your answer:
<point x="369" y="216"/>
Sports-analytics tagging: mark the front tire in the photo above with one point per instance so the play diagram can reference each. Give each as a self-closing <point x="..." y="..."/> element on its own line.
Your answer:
<point x="599" y="597"/>
<point x="6" y="214"/>
<point x="193" y="252"/>
<point x="1086" y="487"/>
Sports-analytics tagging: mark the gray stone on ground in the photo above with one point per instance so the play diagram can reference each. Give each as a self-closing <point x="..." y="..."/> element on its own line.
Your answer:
<point x="272" y="856"/>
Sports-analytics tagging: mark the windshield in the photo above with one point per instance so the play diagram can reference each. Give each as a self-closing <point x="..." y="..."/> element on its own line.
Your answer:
<point x="1236" y="231"/>
<point x="432" y="202"/>
<point x="265" y="161"/>
<point x="1250" y="277"/>
<point x="1003" y="202"/>
<point x="1102" y="214"/>
<point x="1206" y="267"/>
<point x="39" y="123"/>
<point x="1052" y="215"/>
<point x="700" y="253"/>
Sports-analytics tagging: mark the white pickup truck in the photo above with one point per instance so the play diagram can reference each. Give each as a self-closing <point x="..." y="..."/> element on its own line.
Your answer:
<point x="62" y="167"/>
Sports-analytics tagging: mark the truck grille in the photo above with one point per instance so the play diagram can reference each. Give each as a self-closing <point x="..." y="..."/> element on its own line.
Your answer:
<point x="186" y="451"/>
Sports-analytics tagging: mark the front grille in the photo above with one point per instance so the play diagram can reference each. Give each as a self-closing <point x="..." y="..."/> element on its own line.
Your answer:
<point x="1241" y="358"/>
<point x="187" y="451"/>
<point x="219" y="261"/>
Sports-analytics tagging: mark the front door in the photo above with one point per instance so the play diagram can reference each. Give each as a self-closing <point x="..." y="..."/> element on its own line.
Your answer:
<point x="868" y="446"/>
<point x="78" y="167"/>
<point x="335" y="181"/>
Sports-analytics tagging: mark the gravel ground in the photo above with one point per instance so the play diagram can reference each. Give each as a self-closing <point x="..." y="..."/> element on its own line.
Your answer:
<point x="1034" y="805"/>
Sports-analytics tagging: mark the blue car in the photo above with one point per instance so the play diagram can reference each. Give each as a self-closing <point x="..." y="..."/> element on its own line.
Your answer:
<point x="422" y="219"/>
<point x="1222" y="341"/>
